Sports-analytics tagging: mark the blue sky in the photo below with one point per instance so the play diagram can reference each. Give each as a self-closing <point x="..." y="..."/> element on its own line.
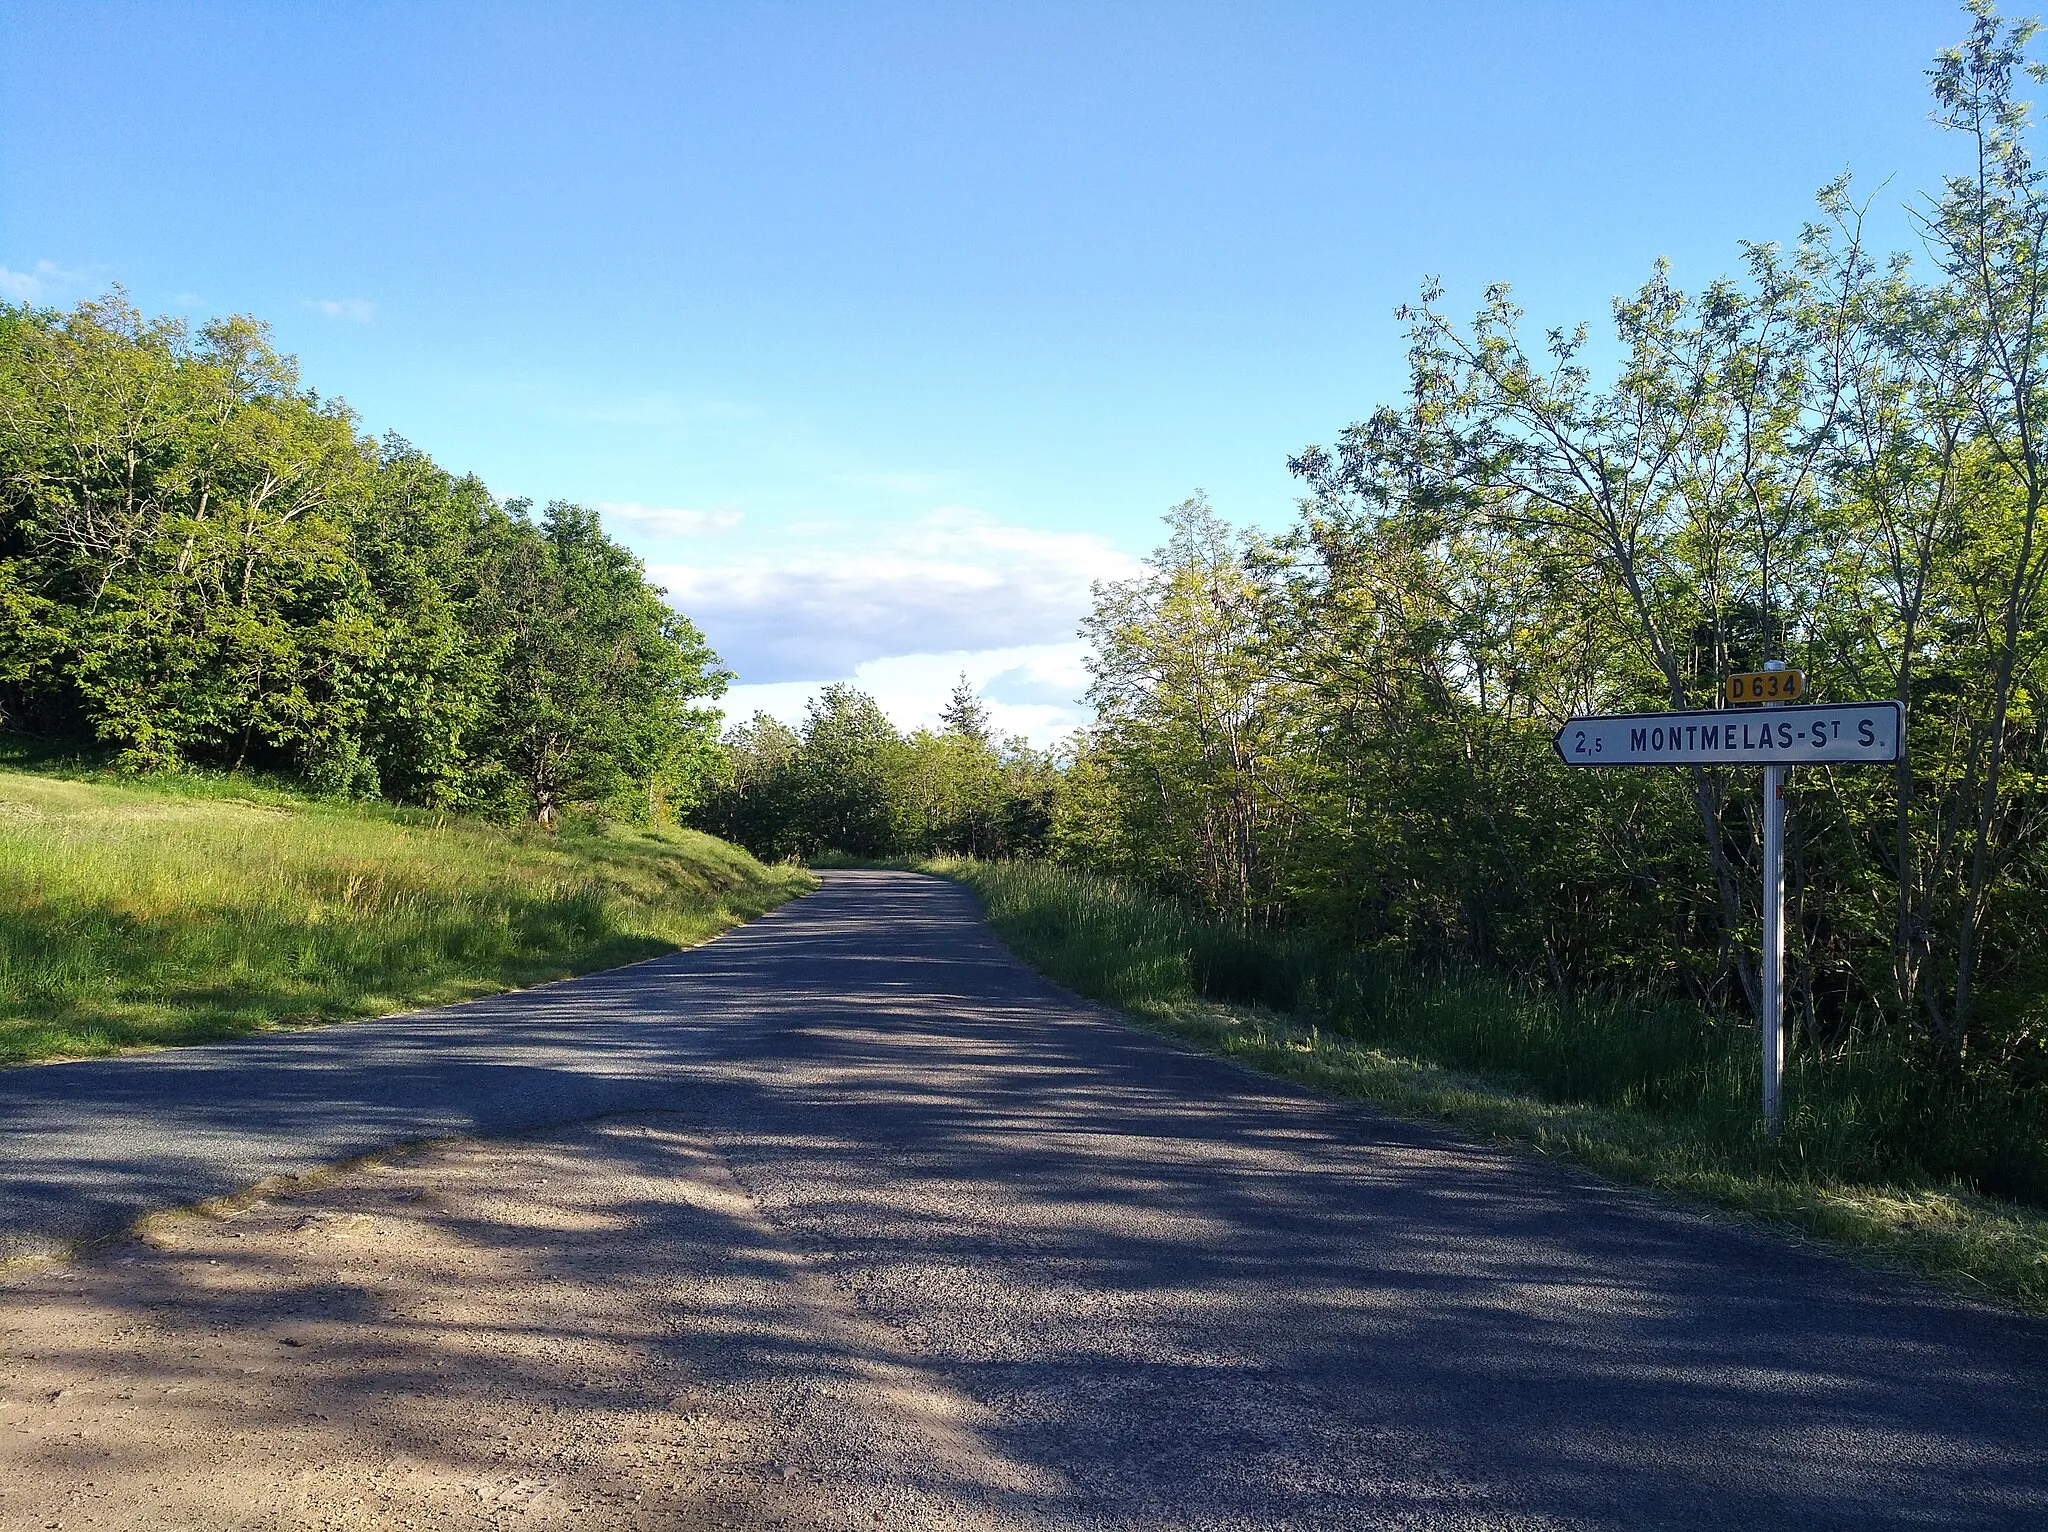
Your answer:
<point x="881" y="330"/>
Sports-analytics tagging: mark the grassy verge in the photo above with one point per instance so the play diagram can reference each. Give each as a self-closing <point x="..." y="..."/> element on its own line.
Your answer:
<point x="1661" y="1098"/>
<point x="180" y="910"/>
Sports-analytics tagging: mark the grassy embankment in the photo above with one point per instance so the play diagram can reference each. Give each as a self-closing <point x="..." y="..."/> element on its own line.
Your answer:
<point x="181" y="909"/>
<point x="1663" y="1098"/>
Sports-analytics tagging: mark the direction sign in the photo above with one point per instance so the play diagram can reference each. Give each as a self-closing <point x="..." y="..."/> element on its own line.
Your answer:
<point x="1775" y="738"/>
<point x="1781" y="736"/>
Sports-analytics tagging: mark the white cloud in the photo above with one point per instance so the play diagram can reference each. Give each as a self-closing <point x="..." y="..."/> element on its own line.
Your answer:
<point x="954" y="581"/>
<point x="1032" y="685"/>
<point x="630" y="519"/>
<point x="354" y="310"/>
<point x="1034" y="690"/>
<point x="44" y="281"/>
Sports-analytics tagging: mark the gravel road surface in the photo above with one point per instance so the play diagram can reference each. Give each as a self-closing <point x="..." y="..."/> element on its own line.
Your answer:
<point x="848" y="1220"/>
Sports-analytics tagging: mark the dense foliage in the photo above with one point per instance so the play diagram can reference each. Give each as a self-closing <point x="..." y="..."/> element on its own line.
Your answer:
<point x="847" y="781"/>
<point x="1839" y="459"/>
<point x="201" y="561"/>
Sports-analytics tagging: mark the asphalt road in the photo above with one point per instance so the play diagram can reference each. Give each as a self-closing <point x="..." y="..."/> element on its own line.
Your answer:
<point x="1170" y="1294"/>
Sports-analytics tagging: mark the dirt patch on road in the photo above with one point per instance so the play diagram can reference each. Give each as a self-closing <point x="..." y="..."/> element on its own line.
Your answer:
<point x="595" y="1328"/>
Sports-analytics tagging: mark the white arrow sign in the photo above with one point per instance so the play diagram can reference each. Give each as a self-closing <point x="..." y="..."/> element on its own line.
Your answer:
<point x="1771" y="736"/>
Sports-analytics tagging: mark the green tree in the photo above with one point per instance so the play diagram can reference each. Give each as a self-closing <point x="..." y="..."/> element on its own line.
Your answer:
<point x="965" y="714"/>
<point x="1193" y="716"/>
<point x="597" y="674"/>
<point x="846" y="771"/>
<point x="201" y="562"/>
<point x="752" y="797"/>
<point x="178" y="570"/>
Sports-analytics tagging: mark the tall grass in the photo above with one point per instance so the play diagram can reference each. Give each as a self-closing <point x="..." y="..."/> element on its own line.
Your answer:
<point x="175" y="911"/>
<point x="1660" y="1094"/>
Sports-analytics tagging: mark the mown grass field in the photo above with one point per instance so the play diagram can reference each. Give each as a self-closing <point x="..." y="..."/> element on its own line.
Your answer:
<point x="182" y="909"/>
<point x="1664" y="1098"/>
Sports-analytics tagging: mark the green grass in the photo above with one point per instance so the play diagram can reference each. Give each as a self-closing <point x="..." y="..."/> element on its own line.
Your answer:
<point x="185" y="908"/>
<point x="1663" y="1097"/>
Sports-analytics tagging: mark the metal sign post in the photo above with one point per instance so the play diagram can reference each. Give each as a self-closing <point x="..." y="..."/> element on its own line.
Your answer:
<point x="1773" y="965"/>
<point x="1774" y="946"/>
<point x="1775" y="736"/>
